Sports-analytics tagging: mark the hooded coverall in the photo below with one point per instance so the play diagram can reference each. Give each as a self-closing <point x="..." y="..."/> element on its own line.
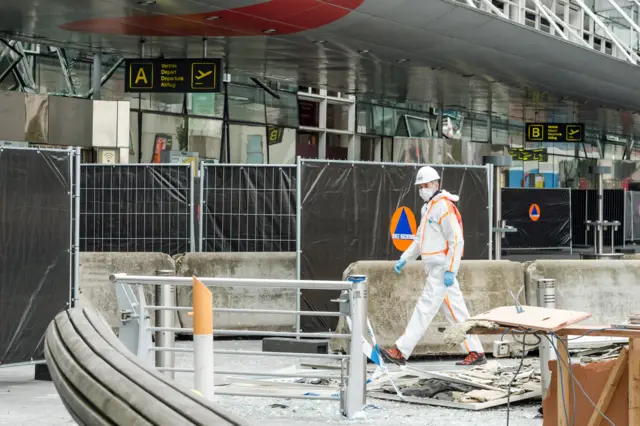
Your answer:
<point x="440" y="242"/>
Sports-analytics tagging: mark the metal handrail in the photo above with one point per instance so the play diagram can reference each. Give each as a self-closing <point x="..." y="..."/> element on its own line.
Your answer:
<point x="231" y="282"/>
<point x="353" y="305"/>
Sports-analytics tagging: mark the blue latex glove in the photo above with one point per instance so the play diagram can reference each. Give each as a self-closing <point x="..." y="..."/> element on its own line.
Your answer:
<point x="399" y="265"/>
<point x="449" y="278"/>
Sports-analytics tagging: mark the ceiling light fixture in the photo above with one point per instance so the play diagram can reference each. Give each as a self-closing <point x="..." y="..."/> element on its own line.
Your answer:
<point x="146" y="2"/>
<point x="269" y="31"/>
<point x="320" y="41"/>
<point x="402" y="60"/>
<point x="212" y="18"/>
<point x="363" y="51"/>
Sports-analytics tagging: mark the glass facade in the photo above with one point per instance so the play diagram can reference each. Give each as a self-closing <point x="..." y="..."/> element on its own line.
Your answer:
<point x="235" y="125"/>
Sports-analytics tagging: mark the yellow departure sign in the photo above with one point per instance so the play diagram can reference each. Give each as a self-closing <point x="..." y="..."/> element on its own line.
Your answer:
<point x="554" y="132"/>
<point x="173" y="75"/>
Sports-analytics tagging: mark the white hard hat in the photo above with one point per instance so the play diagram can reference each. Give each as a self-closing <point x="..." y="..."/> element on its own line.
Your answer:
<point x="426" y="174"/>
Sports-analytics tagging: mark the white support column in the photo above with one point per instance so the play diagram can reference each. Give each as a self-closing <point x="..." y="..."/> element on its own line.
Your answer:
<point x="322" y="124"/>
<point x="354" y="140"/>
<point x="624" y="15"/>
<point x="552" y="21"/>
<point x="566" y="25"/>
<point x="494" y="9"/>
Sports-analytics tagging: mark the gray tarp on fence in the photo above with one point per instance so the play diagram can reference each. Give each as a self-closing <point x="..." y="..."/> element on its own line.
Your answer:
<point x="36" y="247"/>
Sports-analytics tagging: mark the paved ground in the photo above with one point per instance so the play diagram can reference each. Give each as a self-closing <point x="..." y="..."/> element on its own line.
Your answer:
<point x="25" y="402"/>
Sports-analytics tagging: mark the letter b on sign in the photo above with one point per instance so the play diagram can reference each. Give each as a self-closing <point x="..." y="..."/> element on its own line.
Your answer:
<point x="535" y="132"/>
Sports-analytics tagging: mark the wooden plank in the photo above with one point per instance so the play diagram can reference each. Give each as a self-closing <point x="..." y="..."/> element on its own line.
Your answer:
<point x="533" y="317"/>
<point x="474" y="406"/>
<point x="564" y="390"/>
<point x="573" y="330"/>
<point x="444" y="377"/>
<point x="610" y="388"/>
<point x="634" y="382"/>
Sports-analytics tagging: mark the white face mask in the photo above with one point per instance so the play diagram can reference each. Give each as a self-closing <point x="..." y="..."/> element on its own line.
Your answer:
<point x="426" y="193"/>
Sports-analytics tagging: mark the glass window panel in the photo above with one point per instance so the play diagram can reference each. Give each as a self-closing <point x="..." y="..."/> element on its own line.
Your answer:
<point x="309" y="113"/>
<point x="161" y="132"/>
<point x="284" y="152"/>
<point x="247" y="143"/>
<point x="283" y="111"/>
<point x="246" y="103"/>
<point x="418" y="128"/>
<point x="206" y="104"/>
<point x="337" y="116"/>
<point x="50" y="79"/>
<point x="205" y="136"/>
<point x="364" y="118"/>
<point x="134" y="141"/>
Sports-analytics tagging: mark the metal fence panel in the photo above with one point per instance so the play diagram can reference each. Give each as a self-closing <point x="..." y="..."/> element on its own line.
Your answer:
<point x="136" y="208"/>
<point x="36" y="245"/>
<point x="353" y="211"/>
<point x="248" y="208"/>
<point x="633" y="207"/>
<point x="549" y="227"/>
<point x="579" y="209"/>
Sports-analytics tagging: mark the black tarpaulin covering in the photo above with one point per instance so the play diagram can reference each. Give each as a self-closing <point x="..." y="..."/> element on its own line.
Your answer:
<point x="135" y="208"/>
<point x="579" y="209"/>
<point x="552" y="229"/>
<point x="249" y="209"/>
<point x="346" y="217"/>
<point x="35" y="240"/>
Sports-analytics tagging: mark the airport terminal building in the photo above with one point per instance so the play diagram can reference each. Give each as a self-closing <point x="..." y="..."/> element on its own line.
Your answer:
<point x="436" y="82"/>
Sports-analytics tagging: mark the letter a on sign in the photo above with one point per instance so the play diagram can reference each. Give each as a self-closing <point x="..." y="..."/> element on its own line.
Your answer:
<point x="141" y="76"/>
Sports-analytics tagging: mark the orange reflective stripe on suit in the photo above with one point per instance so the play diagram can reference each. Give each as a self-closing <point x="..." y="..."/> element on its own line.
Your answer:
<point x="456" y="212"/>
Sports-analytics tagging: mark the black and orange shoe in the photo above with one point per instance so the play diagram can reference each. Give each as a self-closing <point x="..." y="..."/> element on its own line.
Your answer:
<point x="393" y="355"/>
<point x="473" y="358"/>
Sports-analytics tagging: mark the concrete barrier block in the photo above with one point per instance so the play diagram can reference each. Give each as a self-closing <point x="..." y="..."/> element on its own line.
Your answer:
<point x="392" y="298"/>
<point x="242" y="265"/>
<point x="97" y="292"/>
<point x="606" y="288"/>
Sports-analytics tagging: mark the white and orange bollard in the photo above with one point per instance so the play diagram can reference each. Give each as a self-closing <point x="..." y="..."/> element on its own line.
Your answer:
<point x="203" y="339"/>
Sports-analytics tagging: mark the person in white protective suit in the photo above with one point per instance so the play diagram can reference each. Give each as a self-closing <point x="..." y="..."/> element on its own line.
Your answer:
<point x="440" y="242"/>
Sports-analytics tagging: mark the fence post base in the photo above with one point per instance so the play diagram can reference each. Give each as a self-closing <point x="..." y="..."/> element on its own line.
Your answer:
<point x="546" y="299"/>
<point x="165" y="295"/>
<point x="356" y="382"/>
<point x="203" y="339"/>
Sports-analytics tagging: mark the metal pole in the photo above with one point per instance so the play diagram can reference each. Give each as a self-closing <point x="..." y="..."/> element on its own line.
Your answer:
<point x="613" y="229"/>
<point x="96" y="76"/>
<point x="490" y="116"/>
<point x="600" y="213"/>
<point x="204" y="47"/>
<point x="298" y="236"/>
<point x="490" y="172"/>
<point x="546" y="299"/>
<point x="203" y="339"/>
<point x="497" y="175"/>
<point x="192" y="206"/>
<point x="356" y="381"/>
<point x="165" y="296"/>
<point x="76" y="260"/>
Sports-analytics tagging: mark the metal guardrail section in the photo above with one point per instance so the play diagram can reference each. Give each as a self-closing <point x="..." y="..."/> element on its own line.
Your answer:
<point x="102" y="383"/>
<point x="353" y="305"/>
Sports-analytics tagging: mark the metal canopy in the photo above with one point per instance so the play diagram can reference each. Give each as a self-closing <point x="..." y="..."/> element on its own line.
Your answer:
<point x="404" y="49"/>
